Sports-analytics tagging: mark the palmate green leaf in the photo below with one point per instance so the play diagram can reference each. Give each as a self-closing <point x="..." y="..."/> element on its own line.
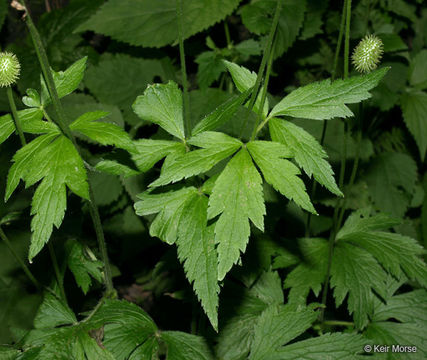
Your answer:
<point x="240" y="317"/>
<point x="391" y="179"/>
<point x="102" y="132"/>
<point x="244" y="80"/>
<point x="326" y="100"/>
<point x="398" y="254"/>
<point x="392" y="333"/>
<point x="307" y="152"/>
<point x="209" y="68"/>
<point x="414" y="108"/>
<point x="29" y="119"/>
<point x="356" y="272"/>
<point x="418" y="73"/>
<point x="280" y="173"/>
<point x="161" y="104"/>
<point x="154" y="24"/>
<point x="278" y="325"/>
<point x="71" y="340"/>
<point x="68" y="343"/>
<point x="53" y="158"/>
<point x="196" y="250"/>
<point x="82" y="267"/>
<point x="126" y="327"/>
<point x="8" y="352"/>
<point x="53" y="312"/>
<point x="183" y="346"/>
<point x="169" y="206"/>
<point x="336" y="346"/>
<point x="258" y="15"/>
<point x="361" y="221"/>
<point x="148" y="152"/>
<point x="115" y="168"/>
<point x="237" y="197"/>
<point x="221" y="114"/>
<point x="182" y="218"/>
<point x="408" y="307"/>
<point x="65" y="81"/>
<point x="309" y="274"/>
<point x="215" y="146"/>
<point x="401" y="320"/>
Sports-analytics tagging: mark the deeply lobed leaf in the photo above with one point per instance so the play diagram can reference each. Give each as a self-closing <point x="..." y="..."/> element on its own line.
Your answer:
<point x="308" y="153"/>
<point x="237" y="197"/>
<point x="326" y="100"/>
<point x="279" y="172"/>
<point x="162" y="105"/>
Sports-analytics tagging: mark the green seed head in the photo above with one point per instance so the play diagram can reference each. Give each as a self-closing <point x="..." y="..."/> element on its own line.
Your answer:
<point x="367" y="55"/>
<point x="9" y="69"/>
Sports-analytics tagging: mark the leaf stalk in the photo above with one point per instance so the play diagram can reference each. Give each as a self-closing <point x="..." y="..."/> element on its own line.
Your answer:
<point x="331" y="243"/>
<point x="186" y="108"/>
<point x="60" y="120"/>
<point x="15" y="116"/>
<point x="266" y="56"/>
<point x="19" y="260"/>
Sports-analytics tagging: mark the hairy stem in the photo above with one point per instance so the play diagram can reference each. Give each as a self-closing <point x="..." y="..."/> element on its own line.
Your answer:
<point x="227" y="34"/>
<point x="314" y="183"/>
<point x="347" y="38"/>
<point x="340" y="36"/>
<point x="334" y="230"/>
<point x="355" y="166"/>
<point x="266" y="56"/>
<point x="186" y="109"/>
<point x="57" y="271"/>
<point x="325" y="122"/>
<point x="338" y="323"/>
<point x="108" y="278"/>
<point x="256" y="130"/>
<point x="19" y="260"/>
<point x="15" y="116"/>
<point x="62" y="124"/>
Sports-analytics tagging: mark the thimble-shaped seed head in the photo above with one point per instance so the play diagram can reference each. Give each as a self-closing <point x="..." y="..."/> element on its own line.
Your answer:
<point x="9" y="69"/>
<point x="367" y="54"/>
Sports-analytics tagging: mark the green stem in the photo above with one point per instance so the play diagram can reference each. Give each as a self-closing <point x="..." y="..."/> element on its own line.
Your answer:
<point x="340" y="36"/>
<point x="338" y="323"/>
<point x="354" y="168"/>
<point x="15" y="116"/>
<point x="347" y="38"/>
<point x="94" y="311"/>
<point x="108" y="278"/>
<point x="62" y="124"/>
<point x="19" y="260"/>
<point x="265" y="57"/>
<point x="325" y="123"/>
<point x="57" y="271"/>
<point x="186" y="109"/>
<point x="334" y="230"/>
<point x="263" y="97"/>
<point x="227" y="34"/>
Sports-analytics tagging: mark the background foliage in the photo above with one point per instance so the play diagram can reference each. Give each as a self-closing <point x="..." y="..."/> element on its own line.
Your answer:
<point x="243" y="278"/>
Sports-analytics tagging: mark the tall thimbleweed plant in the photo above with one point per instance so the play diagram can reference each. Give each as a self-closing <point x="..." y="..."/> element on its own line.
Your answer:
<point x="208" y="201"/>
